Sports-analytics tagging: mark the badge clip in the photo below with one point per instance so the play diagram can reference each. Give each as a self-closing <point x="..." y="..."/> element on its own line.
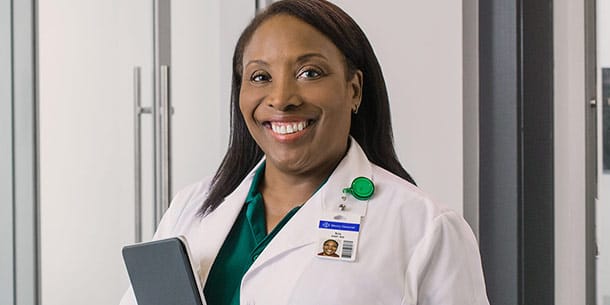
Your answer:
<point x="362" y="188"/>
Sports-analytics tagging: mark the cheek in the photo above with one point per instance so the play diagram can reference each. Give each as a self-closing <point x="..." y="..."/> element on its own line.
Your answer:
<point x="247" y="104"/>
<point x="243" y="107"/>
<point x="333" y="100"/>
<point x="338" y="110"/>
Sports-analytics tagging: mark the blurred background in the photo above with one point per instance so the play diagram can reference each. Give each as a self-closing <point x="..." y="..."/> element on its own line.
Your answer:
<point x="501" y="111"/>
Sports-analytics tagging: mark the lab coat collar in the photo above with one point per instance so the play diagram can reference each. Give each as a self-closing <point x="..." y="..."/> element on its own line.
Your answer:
<point x="217" y="225"/>
<point x="301" y="230"/>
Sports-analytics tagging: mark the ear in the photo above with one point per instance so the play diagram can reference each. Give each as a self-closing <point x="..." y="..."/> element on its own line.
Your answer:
<point x="355" y="84"/>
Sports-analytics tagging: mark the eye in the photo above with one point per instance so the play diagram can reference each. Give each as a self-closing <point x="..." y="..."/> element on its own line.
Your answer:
<point x="310" y="73"/>
<point x="259" y="77"/>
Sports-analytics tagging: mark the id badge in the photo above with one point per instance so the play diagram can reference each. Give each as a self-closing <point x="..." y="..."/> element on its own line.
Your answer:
<point x="338" y="238"/>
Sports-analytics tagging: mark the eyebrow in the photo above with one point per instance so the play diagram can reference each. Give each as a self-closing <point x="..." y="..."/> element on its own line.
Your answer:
<point x="301" y="58"/>
<point x="257" y="61"/>
<point x="307" y="56"/>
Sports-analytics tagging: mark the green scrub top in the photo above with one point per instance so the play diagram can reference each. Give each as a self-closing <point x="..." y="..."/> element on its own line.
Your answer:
<point x="245" y="242"/>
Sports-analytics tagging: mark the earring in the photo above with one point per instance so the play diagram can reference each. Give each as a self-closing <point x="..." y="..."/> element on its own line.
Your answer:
<point x="355" y="108"/>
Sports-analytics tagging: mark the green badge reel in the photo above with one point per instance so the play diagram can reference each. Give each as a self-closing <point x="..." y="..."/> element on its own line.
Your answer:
<point x="362" y="189"/>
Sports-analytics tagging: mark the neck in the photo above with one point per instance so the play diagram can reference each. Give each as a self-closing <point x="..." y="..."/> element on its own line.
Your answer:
<point x="282" y="193"/>
<point x="283" y="190"/>
<point x="288" y="191"/>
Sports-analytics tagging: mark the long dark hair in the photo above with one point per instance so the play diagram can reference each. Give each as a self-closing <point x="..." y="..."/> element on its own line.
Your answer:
<point x="371" y="127"/>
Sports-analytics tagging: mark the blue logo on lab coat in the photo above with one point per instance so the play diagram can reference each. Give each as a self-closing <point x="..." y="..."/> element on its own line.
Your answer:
<point x="343" y="226"/>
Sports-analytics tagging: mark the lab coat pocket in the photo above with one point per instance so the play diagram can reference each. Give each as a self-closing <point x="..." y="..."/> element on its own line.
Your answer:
<point x="339" y="282"/>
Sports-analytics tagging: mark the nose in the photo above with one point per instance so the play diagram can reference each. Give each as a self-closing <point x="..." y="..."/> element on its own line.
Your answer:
<point x="283" y="94"/>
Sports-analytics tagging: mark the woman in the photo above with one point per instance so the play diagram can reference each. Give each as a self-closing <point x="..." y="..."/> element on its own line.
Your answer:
<point x="311" y="159"/>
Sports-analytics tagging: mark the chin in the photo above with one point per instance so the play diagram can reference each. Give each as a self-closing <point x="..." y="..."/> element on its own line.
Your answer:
<point x="291" y="165"/>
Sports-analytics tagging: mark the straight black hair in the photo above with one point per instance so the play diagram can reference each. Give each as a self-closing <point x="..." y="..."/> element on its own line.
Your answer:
<point x="371" y="127"/>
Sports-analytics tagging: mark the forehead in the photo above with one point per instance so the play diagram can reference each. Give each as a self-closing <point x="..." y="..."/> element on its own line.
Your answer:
<point x="287" y="37"/>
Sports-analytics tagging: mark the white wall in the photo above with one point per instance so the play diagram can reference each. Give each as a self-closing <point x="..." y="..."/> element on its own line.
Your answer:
<point x="419" y="45"/>
<point x="603" y="204"/>
<point x="569" y="136"/>
<point x="204" y="34"/>
<point x="195" y="90"/>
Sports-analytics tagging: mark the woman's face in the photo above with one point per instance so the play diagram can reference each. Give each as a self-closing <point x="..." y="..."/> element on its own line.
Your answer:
<point x="295" y="96"/>
<point x="330" y="247"/>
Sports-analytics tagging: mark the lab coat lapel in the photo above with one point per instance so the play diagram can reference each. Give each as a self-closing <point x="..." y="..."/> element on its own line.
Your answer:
<point x="298" y="232"/>
<point x="301" y="230"/>
<point x="212" y="231"/>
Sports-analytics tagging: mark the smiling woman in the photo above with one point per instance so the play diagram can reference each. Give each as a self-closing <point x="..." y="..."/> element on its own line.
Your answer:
<point x="311" y="166"/>
<point x="294" y="75"/>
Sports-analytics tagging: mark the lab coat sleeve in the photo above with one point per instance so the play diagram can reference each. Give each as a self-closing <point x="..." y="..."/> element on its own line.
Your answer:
<point x="446" y="265"/>
<point x="167" y="225"/>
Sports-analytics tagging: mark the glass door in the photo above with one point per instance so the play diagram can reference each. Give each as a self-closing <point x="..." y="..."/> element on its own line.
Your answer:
<point x="87" y="54"/>
<point x="96" y="58"/>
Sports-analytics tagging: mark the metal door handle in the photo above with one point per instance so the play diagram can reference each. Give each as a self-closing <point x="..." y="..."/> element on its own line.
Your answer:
<point x="137" y="131"/>
<point x="164" y="136"/>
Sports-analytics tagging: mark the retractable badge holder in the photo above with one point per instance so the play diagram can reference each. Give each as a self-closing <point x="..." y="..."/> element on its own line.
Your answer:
<point x="362" y="189"/>
<point x="339" y="233"/>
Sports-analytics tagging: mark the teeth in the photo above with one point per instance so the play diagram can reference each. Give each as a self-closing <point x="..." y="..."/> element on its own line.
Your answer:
<point x="288" y="128"/>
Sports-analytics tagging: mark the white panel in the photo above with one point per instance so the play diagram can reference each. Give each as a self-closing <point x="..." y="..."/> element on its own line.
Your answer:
<point x="87" y="52"/>
<point x="234" y="17"/>
<point x="471" y="112"/>
<point x="603" y="205"/>
<point x="419" y="45"/>
<point x="25" y="184"/>
<point x="204" y="34"/>
<point x="569" y="131"/>
<point x="6" y="156"/>
<point x="195" y="90"/>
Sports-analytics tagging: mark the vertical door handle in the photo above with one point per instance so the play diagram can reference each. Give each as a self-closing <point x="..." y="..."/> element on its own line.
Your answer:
<point x="137" y="134"/>
<point x="164" y="136"/>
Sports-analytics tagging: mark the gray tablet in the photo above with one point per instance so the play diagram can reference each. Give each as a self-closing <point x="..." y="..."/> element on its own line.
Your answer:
<point x="161" y="273"/>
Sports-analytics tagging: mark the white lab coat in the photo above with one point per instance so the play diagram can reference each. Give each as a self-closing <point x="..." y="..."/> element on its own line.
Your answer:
<point x="412" y="251"/>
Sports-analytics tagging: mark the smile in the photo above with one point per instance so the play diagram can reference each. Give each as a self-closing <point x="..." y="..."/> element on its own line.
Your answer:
<point x="284" y="128"/>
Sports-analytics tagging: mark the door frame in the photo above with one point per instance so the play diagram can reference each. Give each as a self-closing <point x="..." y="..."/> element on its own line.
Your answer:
<point x="516" y="190"/>
<point x="19" y="158"/>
